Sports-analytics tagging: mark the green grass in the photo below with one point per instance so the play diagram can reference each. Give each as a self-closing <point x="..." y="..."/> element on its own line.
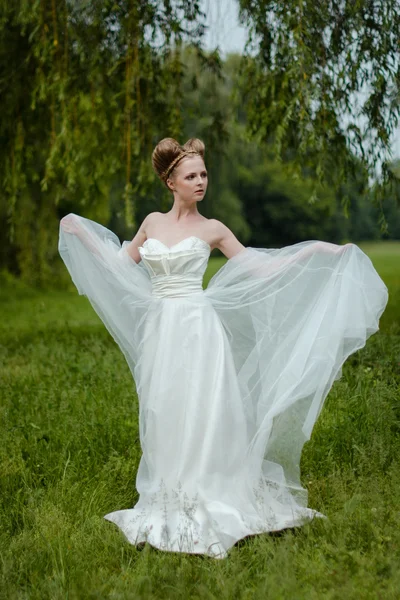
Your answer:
<point x="70" y="450"/>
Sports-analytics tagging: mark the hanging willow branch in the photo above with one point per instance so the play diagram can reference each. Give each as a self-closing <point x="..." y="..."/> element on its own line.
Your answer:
<point x="131" y="74"/>
<point x="80" y="88"/>
<point x="308" y="64"/>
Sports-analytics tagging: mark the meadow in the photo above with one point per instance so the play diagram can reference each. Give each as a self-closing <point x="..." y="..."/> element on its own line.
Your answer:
<point x="70" y="450"/>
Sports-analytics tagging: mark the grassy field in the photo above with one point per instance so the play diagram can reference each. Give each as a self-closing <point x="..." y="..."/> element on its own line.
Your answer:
<point x="70" y="450"/>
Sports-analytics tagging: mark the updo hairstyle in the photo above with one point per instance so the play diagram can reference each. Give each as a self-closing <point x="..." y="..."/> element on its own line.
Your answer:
<point x="168" y="153"/>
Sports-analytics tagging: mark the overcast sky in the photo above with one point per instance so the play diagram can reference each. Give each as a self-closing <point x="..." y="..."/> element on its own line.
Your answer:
<point x="224" y="28"/>
<point x="225" y="31"/>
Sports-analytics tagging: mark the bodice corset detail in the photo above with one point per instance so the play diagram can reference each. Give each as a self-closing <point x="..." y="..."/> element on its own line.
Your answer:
<point x="176" y="285"/>
<point x="178" y="270"/>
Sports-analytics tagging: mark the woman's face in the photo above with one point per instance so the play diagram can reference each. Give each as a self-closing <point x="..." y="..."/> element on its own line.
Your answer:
<point x="189" y="180"/>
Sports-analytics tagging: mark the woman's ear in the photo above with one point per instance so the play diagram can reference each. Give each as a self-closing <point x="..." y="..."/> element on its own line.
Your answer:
<point x="170" y="184"/>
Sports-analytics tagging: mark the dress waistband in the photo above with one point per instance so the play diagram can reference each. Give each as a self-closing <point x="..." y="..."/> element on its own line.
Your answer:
<point x="176" y="285"/>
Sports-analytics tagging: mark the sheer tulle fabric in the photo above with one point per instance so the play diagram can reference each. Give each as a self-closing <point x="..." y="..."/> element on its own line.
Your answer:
<point x="230" y="379"/>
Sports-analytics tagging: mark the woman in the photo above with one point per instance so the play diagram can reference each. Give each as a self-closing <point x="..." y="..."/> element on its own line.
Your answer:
<point x="230" y="379"/>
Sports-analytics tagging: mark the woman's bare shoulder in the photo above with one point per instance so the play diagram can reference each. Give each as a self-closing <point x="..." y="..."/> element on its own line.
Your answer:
<point x="151" y="218"/>
<point x="217" y="227"/>
<point x="154" y="215"/>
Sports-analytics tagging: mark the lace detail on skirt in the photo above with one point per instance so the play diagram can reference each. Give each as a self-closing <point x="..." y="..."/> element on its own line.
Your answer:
<point x="171" y="519"/>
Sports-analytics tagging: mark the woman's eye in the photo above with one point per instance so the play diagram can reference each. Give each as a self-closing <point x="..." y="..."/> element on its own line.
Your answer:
<point x="191" y="176"/>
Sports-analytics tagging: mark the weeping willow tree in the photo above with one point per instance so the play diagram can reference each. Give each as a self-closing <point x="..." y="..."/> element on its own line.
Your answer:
<point x="87" y="89"/>
<point x="322" y="85"/>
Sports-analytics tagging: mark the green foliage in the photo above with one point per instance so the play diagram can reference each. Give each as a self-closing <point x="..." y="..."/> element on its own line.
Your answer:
<point x="88" y="87"/>
<point x="322" y="81"/>
<point x="279" y="209"/>
<point x="70" y="451"/>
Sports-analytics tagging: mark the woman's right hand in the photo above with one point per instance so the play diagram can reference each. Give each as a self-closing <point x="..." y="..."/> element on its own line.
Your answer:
<point x="69" y="224"/>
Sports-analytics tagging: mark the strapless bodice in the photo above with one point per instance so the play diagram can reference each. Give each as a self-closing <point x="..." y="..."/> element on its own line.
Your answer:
<point x="177" y="270"/>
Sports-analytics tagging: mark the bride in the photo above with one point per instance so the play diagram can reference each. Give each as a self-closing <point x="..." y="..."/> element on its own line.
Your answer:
<point x="231" y="378"/>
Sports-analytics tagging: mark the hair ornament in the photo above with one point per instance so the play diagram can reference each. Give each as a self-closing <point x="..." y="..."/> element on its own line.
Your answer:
<point x="167" y="171"/>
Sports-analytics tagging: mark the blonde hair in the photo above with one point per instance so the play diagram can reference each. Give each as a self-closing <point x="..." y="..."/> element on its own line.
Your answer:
<point x="168" y="153"/>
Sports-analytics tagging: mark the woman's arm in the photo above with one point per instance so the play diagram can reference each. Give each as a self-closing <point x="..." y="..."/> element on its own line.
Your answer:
<point x="225" y="240"/>
<point x="263" y="264"/>
<point x="229" y="245"/>
<point x="140" y="237"/>
<point x="266" y="264"/>
<point x="71" y="224"/>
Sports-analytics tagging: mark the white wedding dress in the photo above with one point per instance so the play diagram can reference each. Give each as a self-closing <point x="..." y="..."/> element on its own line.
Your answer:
<point x="230" y="379"/>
